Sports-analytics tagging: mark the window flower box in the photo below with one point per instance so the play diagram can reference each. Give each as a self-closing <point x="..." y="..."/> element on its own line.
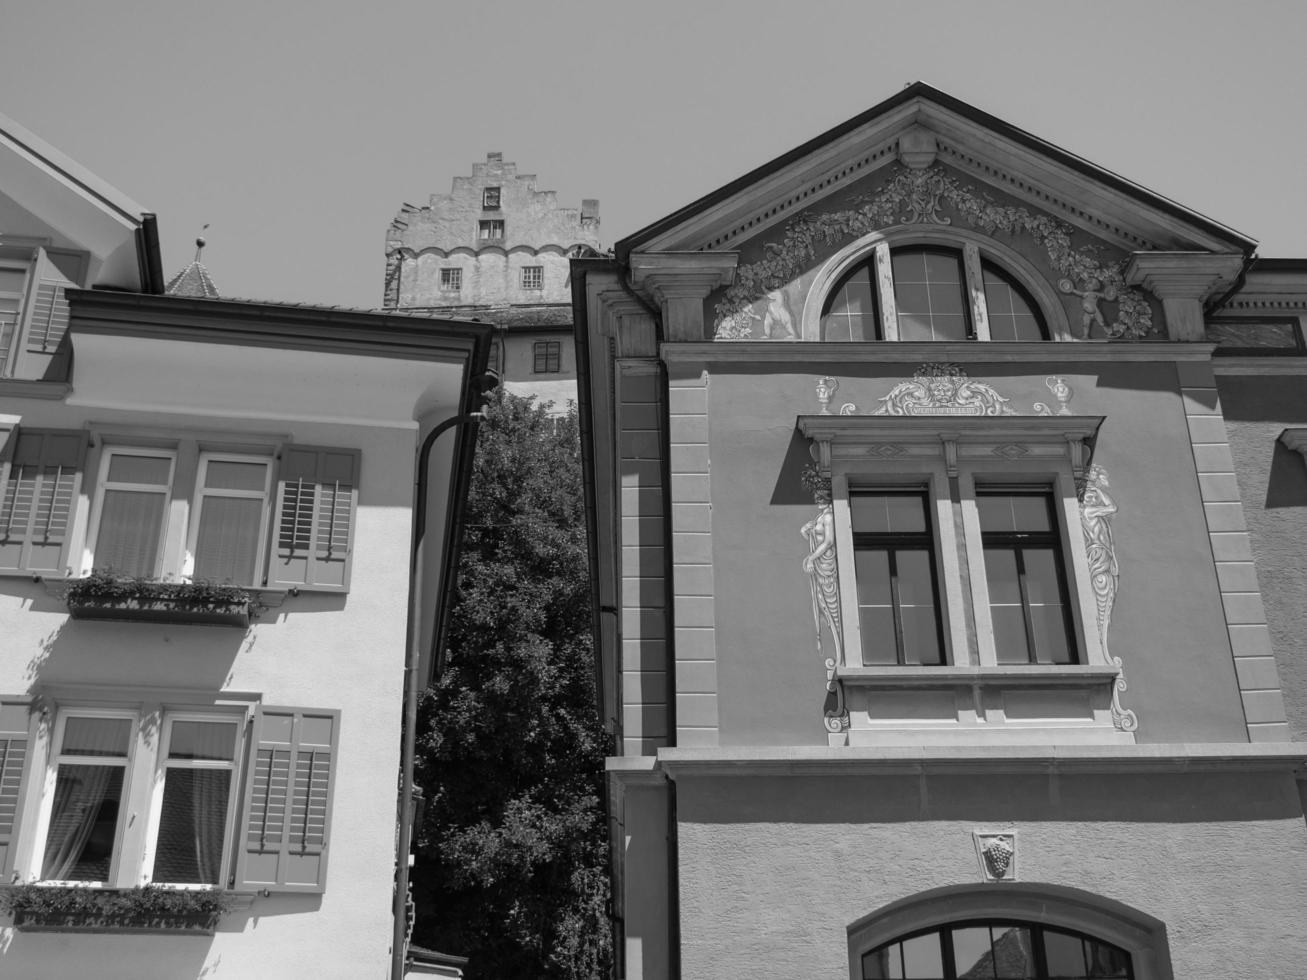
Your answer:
<point x="100" y="595"/>
<point x="149" y="908"/>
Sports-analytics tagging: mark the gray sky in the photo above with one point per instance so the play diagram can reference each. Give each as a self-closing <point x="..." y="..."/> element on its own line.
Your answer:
<point x="296" y="129"/>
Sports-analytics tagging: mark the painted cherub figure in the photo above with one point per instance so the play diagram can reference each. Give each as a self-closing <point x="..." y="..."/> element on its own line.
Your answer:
<point x="1090" y="296"/>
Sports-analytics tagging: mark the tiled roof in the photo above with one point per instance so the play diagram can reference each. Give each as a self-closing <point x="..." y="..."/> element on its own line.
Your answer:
<point x="194" y="280"/>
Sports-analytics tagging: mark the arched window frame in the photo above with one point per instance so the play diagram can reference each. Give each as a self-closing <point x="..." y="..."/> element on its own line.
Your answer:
<point x="1139" y="934"/>
<point x="975" y="249"/>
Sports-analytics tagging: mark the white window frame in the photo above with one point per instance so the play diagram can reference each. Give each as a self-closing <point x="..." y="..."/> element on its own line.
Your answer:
<point x="533" y="277"/>
<point x="56" y="757"/>
<point x="201" y="492"/>
<point x="487" y="229"/>
<point x="235" y="789"/>
<point x="136" y="841"/>
<point x="451" y="278"/>
<point x="102" y="484"/>
<point x="175" y="560"/>
<point x="28" y="269"/>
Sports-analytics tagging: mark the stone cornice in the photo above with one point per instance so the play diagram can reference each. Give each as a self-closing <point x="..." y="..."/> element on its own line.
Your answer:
<point x="682" y="274"/>
<point x="1204" y="757"/>
<point x="1270" y="366"/>
<point x="1183" y="275"/>
<point x="800" y="352"/>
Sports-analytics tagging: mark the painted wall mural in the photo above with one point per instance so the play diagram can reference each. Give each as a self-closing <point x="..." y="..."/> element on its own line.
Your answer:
<point x="822" y="569"/>
<point x="944" y="389"/>
<point x="759" y="295"/>
<point x="1096" y="510"/>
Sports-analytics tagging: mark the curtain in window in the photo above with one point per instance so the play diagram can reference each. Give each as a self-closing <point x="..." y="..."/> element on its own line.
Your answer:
<point x="227" y="542"/>
<point x="83" y="823"/>
<point x="193" y="821"/>
<point x="130" y="522"/>
<point x="191" y="827"/>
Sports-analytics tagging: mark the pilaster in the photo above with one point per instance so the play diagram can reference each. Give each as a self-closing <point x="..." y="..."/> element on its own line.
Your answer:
<point x="1241" y="596"/>
<point x="679" y="282"/>
<point x="1182" y="281"/>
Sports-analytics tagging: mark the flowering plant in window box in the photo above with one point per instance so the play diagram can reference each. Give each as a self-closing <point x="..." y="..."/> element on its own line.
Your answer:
<point x="148" y="908"/>
<point x="103" y="595"/>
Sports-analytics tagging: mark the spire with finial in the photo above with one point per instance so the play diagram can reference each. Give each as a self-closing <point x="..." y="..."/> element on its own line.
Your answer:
<point x="194" y="280"/>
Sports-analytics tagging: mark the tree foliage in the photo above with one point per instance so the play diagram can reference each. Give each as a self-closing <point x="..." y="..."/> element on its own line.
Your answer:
<point x="511" y="856"/>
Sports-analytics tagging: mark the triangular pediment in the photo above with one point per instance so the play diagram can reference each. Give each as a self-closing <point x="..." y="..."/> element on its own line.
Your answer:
<point x="47" y="199"/>
<point x="920" y="128"/>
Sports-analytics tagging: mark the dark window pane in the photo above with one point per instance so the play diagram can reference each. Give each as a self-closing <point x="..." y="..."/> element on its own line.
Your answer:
<point x="913" y="299"/>
<point x="1042" y="587"/>
<point x="899" y="513"/>
<point x="908" y="265"/>
<point x="869" y="511"/>
<point x="1256" y="336"/>
<point x="228" y="474"/>
<point x="1014" y="953"/>
<point x="192" y="826"/>
<point x="1009" y="634"/>
<point x="950" y="326"/>
<point x="1107" y="961"/>
<point x="1001" y="512"/>
<point x="920" y="635"/>
<point x="1049" y="625"/>
<point x="851" y="312"/>
<point x="915" y="327"/>
<point x="945" y="299"/>
<point x="1066" y="957"/>
<point x="872" y="569"/>
<point x="1001" y="575"/>
<point x="97" y="736"/>
<point x="885" y="963"/>
<point x="83" y="823"/>
<point x="1012" y="314"/>
<point x="971" y="953"/>
<point x="151" y="470"/>
<point x="214" y="740"/>
<point x="923" y="958"/>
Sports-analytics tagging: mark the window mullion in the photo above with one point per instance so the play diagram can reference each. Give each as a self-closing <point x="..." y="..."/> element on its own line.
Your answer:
<point x="1027" y="618"/>
<point x="889" y="316"/>
<point x="900" y="650"/>
<point x="975" y="283"/>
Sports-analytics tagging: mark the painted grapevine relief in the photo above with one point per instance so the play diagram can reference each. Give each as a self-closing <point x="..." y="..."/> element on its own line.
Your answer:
<point x="917" y="197"/>
<point x="1096" y="510"/>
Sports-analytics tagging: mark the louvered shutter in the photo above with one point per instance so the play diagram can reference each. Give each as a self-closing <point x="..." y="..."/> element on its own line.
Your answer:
<point x="37" y="498"/>
<point x="48" y="321"/>
<point x="286" y="817"/>
<point x="14" y="741"/>
<point x="313" y="530"/>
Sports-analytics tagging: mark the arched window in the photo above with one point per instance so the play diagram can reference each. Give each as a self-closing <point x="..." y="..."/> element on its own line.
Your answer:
<point x="996" y="949"/>
<point x="930" y="293"/>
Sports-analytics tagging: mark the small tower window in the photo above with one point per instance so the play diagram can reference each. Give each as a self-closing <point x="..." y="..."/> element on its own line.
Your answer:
<point x="491" y="231"/>
<point x="451" y="279"/>
<point x="490" y="198"/>
<point x="533" y="277"/>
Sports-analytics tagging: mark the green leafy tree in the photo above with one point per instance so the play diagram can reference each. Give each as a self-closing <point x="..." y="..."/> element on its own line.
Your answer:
<point x="511" y="866"/>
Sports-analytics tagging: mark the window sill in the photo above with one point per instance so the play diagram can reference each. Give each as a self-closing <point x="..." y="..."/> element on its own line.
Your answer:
<point x="995" y="705"/>
<point x="1005" y="675"/>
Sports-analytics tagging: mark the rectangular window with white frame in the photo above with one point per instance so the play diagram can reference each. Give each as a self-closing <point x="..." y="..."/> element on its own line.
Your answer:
<point x="130" y="511"/>
<point x="533" y="277"/>
<point x="230" y="526"/>
<point x="219" y="796"/>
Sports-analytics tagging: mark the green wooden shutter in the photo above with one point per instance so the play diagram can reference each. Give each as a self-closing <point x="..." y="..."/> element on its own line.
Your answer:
<point x="286" y="813"/>
<point x="313" y="529"/>
<point x="38" y="495"/>
<point x="14" y="741"/>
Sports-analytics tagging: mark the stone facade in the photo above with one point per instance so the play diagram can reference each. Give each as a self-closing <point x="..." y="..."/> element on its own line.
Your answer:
<point x="803" y="777"/>
<point x="497" y="250"/>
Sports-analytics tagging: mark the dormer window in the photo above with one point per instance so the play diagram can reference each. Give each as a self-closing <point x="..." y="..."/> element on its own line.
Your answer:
<point x="930" y="293"/>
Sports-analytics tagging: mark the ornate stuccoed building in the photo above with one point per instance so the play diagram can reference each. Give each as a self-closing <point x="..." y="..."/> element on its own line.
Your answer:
<point x="497" y="250"/>
<point x="948" y="504"/>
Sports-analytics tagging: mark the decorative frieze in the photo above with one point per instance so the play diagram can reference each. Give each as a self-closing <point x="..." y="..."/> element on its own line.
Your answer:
<point x="917" y="197"/>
